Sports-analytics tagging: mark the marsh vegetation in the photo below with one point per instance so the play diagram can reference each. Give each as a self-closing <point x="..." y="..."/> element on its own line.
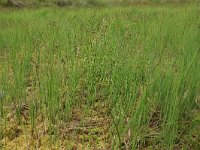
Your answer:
<point x="100" y="78"/>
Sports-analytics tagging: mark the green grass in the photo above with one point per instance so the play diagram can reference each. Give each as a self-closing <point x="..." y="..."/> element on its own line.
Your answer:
<point x="91" y="3"/>
<point x="137" y="67"/>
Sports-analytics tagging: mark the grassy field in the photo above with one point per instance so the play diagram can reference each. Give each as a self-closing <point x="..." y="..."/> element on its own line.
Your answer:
<point x="108" y="78"/>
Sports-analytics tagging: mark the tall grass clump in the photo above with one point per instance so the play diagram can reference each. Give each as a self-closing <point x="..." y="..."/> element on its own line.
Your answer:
<point x="137" y="67"/>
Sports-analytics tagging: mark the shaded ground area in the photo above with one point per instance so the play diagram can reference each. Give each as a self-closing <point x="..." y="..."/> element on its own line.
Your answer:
<point x="83" y="131"/>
